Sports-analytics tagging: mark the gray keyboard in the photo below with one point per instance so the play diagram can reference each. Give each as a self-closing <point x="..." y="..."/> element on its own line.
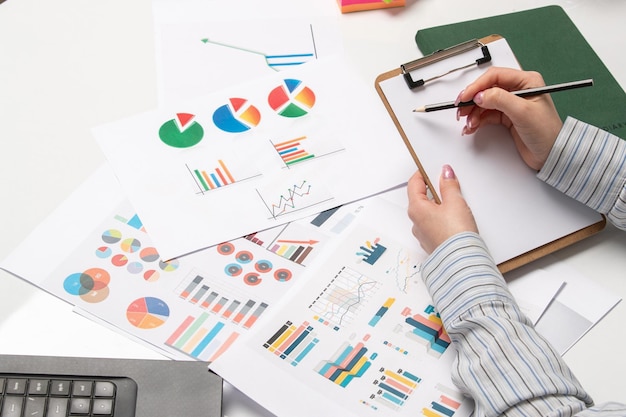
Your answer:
<point x="45" y="395"/>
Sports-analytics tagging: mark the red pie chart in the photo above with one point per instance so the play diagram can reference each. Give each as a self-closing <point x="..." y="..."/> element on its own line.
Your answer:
<point x="292" y="98"/>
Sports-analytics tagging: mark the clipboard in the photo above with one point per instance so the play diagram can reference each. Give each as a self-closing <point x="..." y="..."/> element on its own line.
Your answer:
<point x="536" y="250"/>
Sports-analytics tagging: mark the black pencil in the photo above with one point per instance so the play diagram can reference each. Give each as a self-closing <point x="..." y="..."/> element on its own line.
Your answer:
<point x="521" y="93"/>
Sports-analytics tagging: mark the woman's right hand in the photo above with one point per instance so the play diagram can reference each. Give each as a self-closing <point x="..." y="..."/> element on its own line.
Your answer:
<point x="533" y="121"/>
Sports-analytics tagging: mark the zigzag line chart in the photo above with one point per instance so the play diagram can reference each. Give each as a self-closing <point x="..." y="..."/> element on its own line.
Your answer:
<point x="340" y="301"/>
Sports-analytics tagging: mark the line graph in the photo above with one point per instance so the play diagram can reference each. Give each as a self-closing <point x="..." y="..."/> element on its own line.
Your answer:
<point x="277" y="56"/>
<point x="405" y="270"/>
<point x="340" y="301"/>
<point x="287" y="199"/>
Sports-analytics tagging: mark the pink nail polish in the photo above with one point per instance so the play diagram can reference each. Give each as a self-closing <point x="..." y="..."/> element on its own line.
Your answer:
<point x="447" y="172"/>
<point x="458" y="98"/>
<point x="478" y="98"/>
<point x="458" y="114"/>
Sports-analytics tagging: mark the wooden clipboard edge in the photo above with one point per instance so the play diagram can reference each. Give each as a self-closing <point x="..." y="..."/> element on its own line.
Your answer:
<point x="385" y="76"/>
<point x="551" y="247"/>
<point x="519" y="260"/>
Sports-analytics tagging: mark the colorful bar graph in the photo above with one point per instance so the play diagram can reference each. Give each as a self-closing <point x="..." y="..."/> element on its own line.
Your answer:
<point x="295" y="250"/>
<point x="291" y="152"/>
<point x="197" y="291"/>
<point x="382" y="311"/>
<point x="292" y="343"/>
<point x="371" y="252"/>
<point x="349" y="362"/>
<point x="446" y="405"/>
<point x="194" y="335"/>
<point x="429" y="332"/>
<point x="394" y="388"/>
<point x="210" y="180"/>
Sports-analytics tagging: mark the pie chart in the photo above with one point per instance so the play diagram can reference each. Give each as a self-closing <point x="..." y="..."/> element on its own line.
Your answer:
<point x="292" y="99"/>
<point x="236" y="116"/>
<point x="182" y="131"/>
<point x="111" y="236"/>
<point x="147" y="312"/>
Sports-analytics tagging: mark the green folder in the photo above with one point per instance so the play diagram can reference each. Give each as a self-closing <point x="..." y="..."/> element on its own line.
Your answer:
<point x="546" y="40"/>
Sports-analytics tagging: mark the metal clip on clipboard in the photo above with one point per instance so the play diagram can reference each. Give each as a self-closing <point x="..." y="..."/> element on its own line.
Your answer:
<point x="441" y="55"/>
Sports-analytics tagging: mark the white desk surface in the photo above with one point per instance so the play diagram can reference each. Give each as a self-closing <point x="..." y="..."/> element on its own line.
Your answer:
<point x="69" y="65"/>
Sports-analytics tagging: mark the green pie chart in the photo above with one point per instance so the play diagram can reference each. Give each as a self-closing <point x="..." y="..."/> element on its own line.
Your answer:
<point x="181" y="132"/>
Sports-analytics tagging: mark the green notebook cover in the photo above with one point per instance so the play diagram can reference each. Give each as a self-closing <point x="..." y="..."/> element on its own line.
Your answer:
<point x="546" y="40"/>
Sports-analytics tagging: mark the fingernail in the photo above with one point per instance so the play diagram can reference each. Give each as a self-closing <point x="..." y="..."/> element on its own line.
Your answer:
<point x="458" y="114"/>
<point x="464" y="131"/>
<point x="458" y="98"/>
<point x="478" y="98"/>
<point x="447" y="172"/>
<point x="470" y="122"/>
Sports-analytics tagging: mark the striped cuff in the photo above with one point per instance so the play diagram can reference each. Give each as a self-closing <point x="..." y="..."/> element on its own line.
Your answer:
<point x="461" y="274"/>
<point x="589" y="165"/>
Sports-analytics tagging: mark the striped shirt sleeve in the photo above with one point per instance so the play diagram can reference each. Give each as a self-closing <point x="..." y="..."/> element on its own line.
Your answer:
<point x="502" y="362"/>
<point x="589" y="165"/>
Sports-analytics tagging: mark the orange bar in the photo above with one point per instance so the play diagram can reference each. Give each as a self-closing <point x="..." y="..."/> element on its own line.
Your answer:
<point x="230" y="177"/>
<point x="289" y="142"/>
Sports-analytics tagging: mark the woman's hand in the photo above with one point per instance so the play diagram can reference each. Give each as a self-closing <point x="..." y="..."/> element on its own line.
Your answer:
<point x="533" y="121"/>
<point x="434" y="223"/>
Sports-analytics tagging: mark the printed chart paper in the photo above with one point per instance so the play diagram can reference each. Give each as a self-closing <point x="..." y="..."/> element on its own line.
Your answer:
<point x="94" y="253"/>
<point x="343" y="282"/>
<point x="358" y="337"/>
<point x="255" y="156"/>
<point x="197" y="58"/>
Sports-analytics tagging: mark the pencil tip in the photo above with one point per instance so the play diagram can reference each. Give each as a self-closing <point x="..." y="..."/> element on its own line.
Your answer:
<point x="420" y="110"/>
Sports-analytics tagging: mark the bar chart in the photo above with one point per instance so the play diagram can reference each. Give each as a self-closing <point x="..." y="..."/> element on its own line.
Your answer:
<point x="292" y="152"/>
<point x="446" y="405"/>
<point x="201" y="337"/>
<point x="349" y="362"/>
<point x="291" y="342"/>
<point x="394" y="388"/>
<point x="295" y="250"/>
<point x="382" y="311"/>
<point x="428" y="331"/>
<point x="197" y="290"/>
